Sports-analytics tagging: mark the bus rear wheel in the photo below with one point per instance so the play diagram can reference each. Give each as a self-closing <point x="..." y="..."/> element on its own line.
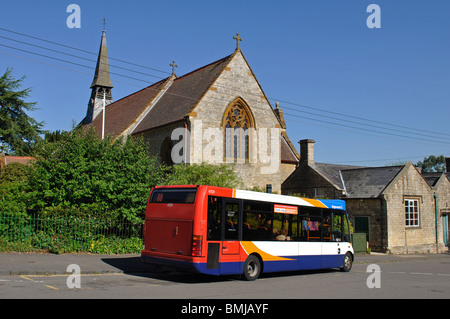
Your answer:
<point x="252" y="268"/>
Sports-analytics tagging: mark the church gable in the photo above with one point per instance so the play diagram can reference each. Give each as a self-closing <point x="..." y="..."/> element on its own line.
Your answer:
<point x="235" y="81"/>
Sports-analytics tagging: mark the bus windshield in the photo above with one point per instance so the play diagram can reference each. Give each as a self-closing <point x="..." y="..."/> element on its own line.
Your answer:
<point x="173" y="195"/>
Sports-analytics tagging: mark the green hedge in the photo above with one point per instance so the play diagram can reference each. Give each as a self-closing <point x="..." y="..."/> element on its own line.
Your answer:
<point x="71" y="234"/>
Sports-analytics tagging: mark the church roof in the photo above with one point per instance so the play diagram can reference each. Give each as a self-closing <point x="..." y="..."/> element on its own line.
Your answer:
<point x="169" y="101"/>
<point x="122" y="113"/>
<point x="182" y="96"/>
<point x="102" y="77"/>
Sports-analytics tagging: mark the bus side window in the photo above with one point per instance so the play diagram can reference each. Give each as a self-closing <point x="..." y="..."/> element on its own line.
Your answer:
<point x="310" y="223"/>
<point x="257" y="220"/>
<point x="214" y="211"/>
<point x="232" y="222"/>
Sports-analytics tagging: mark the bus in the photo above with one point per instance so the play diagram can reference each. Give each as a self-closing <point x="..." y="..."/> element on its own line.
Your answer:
<point x="224" y="231"/>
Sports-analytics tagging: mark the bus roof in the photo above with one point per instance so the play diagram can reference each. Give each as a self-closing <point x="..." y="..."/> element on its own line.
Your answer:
<point x="273" y="198"/>
<point x="289" y="200"/>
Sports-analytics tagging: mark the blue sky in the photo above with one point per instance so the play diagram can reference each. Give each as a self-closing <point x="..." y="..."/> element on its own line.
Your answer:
<point x="338" y="81"/>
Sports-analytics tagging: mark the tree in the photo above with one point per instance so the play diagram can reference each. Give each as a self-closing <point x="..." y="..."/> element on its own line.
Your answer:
<point x="13" y="189"/>
<point x="18" y="131"/>
<point x="204" y="174"/>
<point x="432" y="164"/>
<point x="82" y="174"/>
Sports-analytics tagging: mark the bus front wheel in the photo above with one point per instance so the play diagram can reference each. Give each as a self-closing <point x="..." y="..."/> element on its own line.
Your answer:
<point x="348" y="261"/>
<point x="252" y="268"/>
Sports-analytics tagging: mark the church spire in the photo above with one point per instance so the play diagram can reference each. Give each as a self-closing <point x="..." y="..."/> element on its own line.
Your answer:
<point x="102" y="77"/>
<point x="101" y="85"/>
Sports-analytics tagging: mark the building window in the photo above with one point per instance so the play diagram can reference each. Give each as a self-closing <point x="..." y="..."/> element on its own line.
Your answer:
<point x="236" y="123"/>
<point x="412" y="212"/>
<point x="166" y="152"/>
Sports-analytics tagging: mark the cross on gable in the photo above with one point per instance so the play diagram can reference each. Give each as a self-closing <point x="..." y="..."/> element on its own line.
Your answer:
<point x="173" y="65"/>
<point x="237" y="38"/>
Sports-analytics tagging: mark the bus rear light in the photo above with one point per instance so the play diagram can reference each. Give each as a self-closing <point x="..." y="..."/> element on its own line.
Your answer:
<point x="197" y="245"/>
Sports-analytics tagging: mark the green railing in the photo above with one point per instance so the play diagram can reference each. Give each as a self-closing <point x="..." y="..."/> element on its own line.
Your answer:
<point x="72" y="234"/>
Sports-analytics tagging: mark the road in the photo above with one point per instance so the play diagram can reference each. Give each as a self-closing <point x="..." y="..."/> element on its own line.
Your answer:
<point x="421" y="276"/>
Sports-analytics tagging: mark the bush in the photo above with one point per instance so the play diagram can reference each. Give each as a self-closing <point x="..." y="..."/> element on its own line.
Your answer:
<point x="84" y="174"/>
<point x="204" y="174"/>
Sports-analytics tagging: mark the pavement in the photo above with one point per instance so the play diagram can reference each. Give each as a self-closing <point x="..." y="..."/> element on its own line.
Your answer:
<point x="51" y="264"/>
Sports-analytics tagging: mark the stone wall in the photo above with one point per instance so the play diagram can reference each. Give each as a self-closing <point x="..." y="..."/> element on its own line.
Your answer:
<point x="409" y="184"/>
<point x="375" y="210"/>
<point x="238" y="81"/>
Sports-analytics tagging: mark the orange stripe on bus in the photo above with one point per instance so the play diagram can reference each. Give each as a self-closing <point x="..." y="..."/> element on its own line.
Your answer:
<point x="315" y="202"/>
<point x="251" y="248"/>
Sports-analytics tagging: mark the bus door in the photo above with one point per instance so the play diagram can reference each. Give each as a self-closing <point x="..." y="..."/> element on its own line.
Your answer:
<point x="332" y="233"/>
<point x="231" y="234"/>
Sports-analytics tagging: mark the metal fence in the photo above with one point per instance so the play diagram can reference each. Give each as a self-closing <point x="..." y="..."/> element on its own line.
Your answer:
<point x="71" y="234"/>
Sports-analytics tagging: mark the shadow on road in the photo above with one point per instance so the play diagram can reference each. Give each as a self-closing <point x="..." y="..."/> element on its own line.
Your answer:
<point x="133" y="266"/>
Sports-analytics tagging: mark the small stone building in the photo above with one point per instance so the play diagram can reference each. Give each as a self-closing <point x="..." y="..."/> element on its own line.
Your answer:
<point x="217" y="113"/>
<point x="401" y="210"/>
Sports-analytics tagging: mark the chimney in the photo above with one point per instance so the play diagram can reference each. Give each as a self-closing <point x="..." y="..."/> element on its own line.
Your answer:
<point x="307" y="151"/>
<point x="447" y="164"/>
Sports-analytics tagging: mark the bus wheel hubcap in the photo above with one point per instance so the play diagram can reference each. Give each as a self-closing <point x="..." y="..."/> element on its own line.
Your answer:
<point x="252" y="268"/>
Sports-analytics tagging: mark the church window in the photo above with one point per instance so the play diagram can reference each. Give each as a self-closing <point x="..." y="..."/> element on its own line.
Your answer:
<point x="237" y="121"/>
<point x="166" y="152"/>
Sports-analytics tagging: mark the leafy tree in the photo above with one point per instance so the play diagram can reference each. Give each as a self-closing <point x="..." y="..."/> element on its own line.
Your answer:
<point x="14" y="172"/>
<point x="13" y="189"/>
<point x="204" y="174"/>
<point x="432" y="164"/>
<point x="54" y="136"/>
<point x="18" y="131"/>
<point x="82" y="174"/>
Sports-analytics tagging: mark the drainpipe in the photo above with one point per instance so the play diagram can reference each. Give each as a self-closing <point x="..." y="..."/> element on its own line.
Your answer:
<point x="185" y="142"/>
<point x="436" y="214"/>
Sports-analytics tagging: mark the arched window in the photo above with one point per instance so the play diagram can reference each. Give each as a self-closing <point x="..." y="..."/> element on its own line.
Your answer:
<point x="237" y="120"/>
<point x="166" y="151"/>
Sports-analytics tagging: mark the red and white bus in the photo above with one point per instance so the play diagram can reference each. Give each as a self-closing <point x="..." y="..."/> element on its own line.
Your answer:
<point x="218" y="231"/>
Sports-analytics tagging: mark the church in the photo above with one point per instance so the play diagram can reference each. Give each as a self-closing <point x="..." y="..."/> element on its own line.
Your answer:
<point x="217" y="113"/>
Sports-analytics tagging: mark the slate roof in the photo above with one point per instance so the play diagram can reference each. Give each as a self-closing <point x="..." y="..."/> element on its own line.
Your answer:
<point x="182" y="96"/>
<point x="357" y="181"/>
<point x="122" y="113"/>
<point x="331" y="172"/>
<point x="433" y="177"/>
<point x="368" y="182"/>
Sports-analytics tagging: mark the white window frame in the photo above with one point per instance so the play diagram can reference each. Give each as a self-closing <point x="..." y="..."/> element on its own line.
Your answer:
<point x="412" y="212"/>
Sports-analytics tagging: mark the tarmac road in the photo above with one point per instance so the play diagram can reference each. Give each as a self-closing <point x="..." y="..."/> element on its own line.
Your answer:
<point x="45" y="276"/>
